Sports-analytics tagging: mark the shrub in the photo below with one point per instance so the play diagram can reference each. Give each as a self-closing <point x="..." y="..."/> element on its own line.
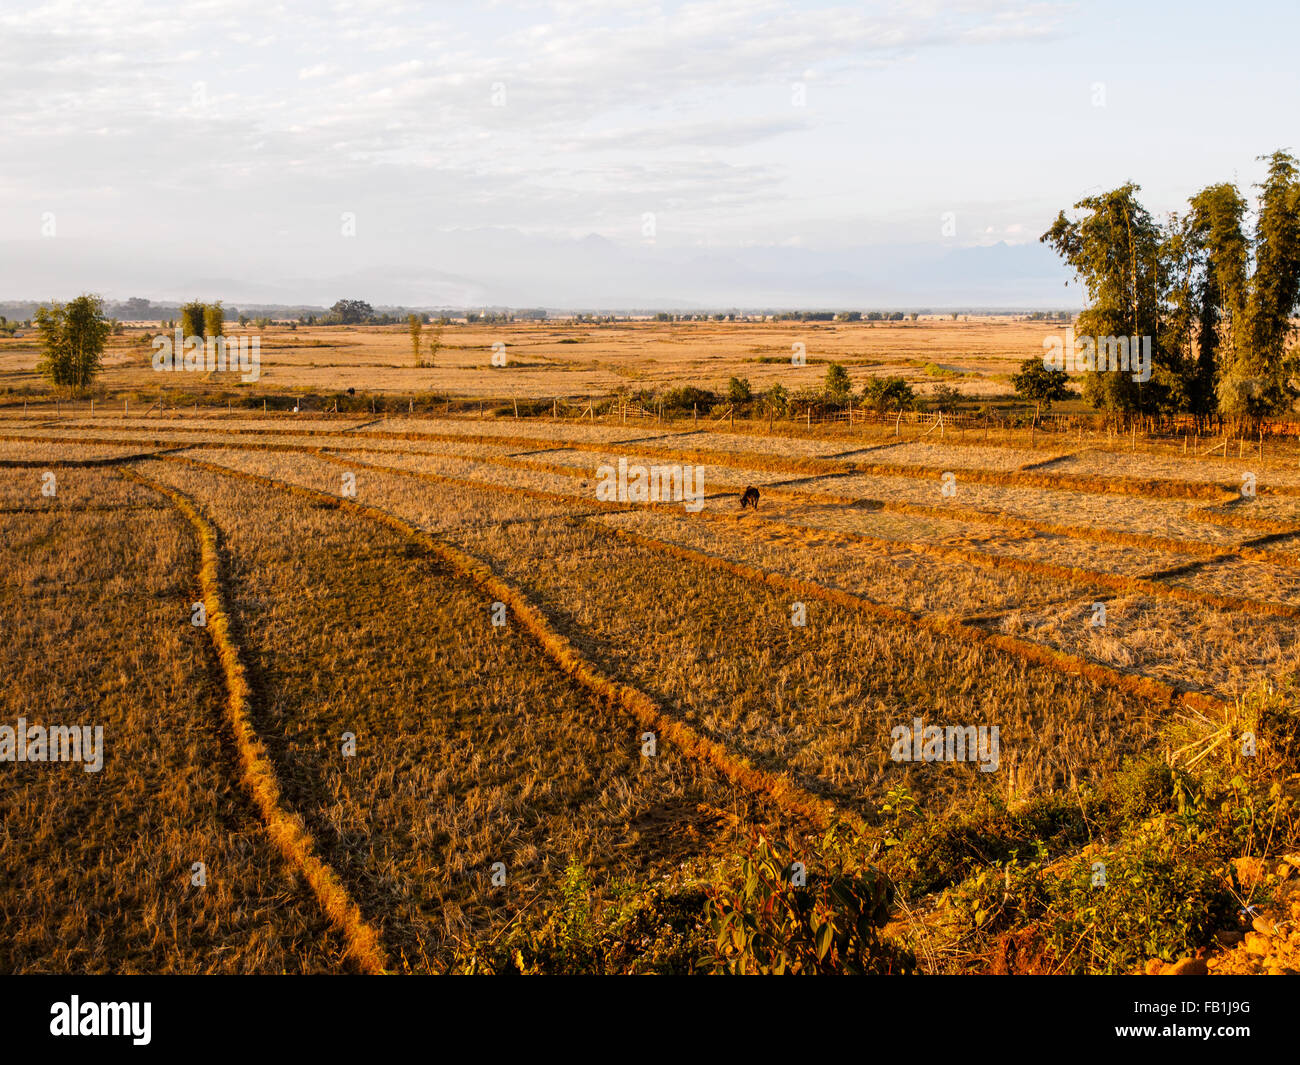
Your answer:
<point x="889" y="394"/>
<point x="641" y="929"/>
<point x="776" y="400"/>
<point x="945" y="398"/>
<point x="763" y="923"/>
<point x="838" y="386"/>
<point x="685" y="399"/>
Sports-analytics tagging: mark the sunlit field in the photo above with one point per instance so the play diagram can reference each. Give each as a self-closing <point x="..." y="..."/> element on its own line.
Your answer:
<point x="418" y="697"/>
<point x="562" y="359"/>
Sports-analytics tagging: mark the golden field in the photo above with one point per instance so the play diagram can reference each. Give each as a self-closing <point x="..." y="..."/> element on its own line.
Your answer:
<point x="497" y="640"/>
<point x="579" y="360"/>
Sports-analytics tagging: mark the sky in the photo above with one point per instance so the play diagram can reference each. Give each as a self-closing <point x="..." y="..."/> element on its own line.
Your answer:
<point x="621" y="154"/>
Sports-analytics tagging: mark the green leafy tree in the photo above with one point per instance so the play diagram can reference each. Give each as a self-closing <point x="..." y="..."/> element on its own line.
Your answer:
<point x="776" y="401"/>
<point x="1114" y="249"/>
<point x="838" y="387"/>
<point x="353" y="312"/>
<point x="738" y="391"/>
<point x="193" y="315"/>
<point x="1213" y="311"/>
<point x="435" y="340"/>
<point x="73" y="336"/>
<point x="889" y="394"/>
<point x="1256" y="380"/>
<point x="1040" y="384"/>
<point x="214" y="320"/>
<point x="945" y="398"/>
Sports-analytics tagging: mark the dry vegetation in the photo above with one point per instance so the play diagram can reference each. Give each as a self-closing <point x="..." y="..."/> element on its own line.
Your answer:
<point x="521" y="743"/>
<point x="547" y="359"/>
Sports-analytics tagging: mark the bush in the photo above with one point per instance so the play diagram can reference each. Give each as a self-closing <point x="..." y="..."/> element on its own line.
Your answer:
<point x="889" y="394"/>
<point x="838" y="386"/>
<point x="764" y="923"/>
<point x="686" y="399"/>
<point x="776" y="401"/>
<point x="1153" y="875"/>
<point x="641" y="929"/>
<point x="945" y="398"/>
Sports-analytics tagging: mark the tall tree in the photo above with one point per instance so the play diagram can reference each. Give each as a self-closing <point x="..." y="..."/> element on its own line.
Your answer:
<point x="1257" y="380"/>
<point x="1114" y="249"/>
<point x="1214" y="261"/>
<point x="416" y="325"/>
<point x="214" y="320"/>
<point x="192" y="319"/>
<point x="73" y="336"/>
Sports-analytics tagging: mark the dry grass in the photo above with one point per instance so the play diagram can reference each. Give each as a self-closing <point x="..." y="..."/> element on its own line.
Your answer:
<point x="258" y="773"/>
<point x="472" y="746"/>
<point x="98" y="865"/>
<point x="549" y="359"/>
<point x="521" y="743"/>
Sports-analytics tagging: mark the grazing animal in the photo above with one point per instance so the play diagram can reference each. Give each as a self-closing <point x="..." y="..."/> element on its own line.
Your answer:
<point x="750" y="498"/>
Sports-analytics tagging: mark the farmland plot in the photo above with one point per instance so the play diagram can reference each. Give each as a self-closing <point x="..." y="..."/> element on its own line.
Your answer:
<point x="453" y="649"/>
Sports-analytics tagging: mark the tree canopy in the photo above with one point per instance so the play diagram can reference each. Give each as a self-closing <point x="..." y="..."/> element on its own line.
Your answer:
<point x="1217" y="302"/>
<point x="73" y="336"/>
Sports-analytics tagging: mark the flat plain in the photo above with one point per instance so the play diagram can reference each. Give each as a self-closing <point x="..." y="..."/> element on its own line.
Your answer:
<point x="450" y="596"/>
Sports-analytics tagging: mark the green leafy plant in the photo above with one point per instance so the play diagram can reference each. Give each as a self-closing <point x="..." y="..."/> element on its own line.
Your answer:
<point x="770" y="920"/>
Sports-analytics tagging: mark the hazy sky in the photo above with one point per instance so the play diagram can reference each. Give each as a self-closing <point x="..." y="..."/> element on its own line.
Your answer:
<point x="150" y="149"/>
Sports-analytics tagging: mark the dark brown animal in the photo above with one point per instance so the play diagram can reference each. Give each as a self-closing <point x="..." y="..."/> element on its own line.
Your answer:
<point x="750" y="498"/>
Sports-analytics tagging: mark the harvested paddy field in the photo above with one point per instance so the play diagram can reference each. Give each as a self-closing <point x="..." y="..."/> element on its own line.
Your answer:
<point x="442" y="675"/>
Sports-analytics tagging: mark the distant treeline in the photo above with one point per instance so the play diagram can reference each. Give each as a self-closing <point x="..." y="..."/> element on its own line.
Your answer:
<point x="360" y="312"/>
